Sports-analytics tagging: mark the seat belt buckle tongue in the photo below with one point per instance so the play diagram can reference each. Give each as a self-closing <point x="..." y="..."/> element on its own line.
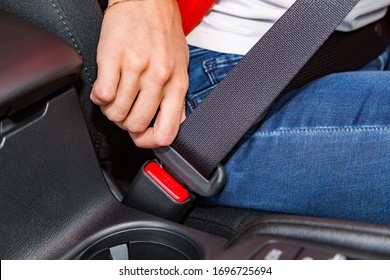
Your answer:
<point x="156" y="192"/>
<point x="184" y="172"/>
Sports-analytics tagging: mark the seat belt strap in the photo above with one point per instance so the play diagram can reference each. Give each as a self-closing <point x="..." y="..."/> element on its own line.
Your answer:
<point x="244" y="96"/>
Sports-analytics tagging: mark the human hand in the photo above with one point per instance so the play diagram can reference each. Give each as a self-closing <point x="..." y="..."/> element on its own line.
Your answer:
<point x="142" y="62"/>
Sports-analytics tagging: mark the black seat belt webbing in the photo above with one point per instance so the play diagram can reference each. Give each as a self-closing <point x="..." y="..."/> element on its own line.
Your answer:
<point x="214" y="128"/>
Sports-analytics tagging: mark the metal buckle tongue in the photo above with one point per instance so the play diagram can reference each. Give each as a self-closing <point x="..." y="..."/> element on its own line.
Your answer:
<point x="184" y="172"/>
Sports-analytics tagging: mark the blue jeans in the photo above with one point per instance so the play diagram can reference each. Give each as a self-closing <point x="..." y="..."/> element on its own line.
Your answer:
<point x="323" y="150"/>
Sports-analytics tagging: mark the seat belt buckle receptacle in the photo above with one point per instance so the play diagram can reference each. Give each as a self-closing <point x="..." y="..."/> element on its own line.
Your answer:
<point x="159" y="188"/>
<point x="156" y="192"/>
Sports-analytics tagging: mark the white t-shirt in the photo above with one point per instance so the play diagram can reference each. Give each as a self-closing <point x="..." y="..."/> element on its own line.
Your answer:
<point x="234" y="26"/>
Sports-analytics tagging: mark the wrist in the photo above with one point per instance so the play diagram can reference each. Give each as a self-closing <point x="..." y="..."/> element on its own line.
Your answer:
<point x="113" y="3"/>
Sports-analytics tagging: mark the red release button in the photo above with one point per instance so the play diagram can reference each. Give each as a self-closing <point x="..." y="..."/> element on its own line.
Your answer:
<point x="166" y="182"/>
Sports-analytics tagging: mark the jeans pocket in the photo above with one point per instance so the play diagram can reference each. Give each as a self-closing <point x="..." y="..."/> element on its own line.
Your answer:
<point x="207" y="69"/>
<point x="218" y="67"/>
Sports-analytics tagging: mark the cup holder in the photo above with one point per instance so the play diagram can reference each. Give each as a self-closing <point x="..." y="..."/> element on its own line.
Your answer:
<point x="144" y="244"/>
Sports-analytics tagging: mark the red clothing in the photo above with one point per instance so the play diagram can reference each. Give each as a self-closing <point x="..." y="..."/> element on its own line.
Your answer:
<point x="192" y="12"/>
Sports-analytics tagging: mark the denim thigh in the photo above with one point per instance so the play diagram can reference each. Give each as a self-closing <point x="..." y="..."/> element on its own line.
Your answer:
<point x="322" y="150"/>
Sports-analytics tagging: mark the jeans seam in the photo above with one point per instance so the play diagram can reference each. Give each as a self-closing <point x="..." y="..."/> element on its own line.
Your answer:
<point x="210" y="65"/>
<point x="191" y="97"/>
<point x="210" y="73"/>
<point x="189" y="104"/>
<point x="72" y="37"/>
<point x="324" y="129"/>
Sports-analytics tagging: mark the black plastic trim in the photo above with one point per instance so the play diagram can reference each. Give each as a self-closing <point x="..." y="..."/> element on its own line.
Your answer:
<point x="367" y="238"/>
<point x="34" y="63"/>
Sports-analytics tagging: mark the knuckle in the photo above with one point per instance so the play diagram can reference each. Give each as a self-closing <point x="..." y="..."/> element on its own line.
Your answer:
<point x="164" y="140"/>
<point x="106" y="54"/>
<point x="137" y="63"/>
<point x="135" y="127"/>
<point x="162" y="74"/>
<point x="115" y="116"/>
<point x="182" y="85"/>
<point x="100" y="59"/>
<point x="138" y="142"/>
<point x="101" y="95"/>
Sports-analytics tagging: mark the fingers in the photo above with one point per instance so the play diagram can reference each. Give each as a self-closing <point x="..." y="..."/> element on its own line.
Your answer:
<point x="118" y="108"/>
<point x="105" y="87"/>
<point x="168" y="120"/>
<point x="143" y="111"/>
<point x="165" y="128"/>
<point x="133" y="104"/>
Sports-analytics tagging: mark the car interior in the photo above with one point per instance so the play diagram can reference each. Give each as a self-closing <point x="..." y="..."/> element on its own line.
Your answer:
<point x="58" y="201"/>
